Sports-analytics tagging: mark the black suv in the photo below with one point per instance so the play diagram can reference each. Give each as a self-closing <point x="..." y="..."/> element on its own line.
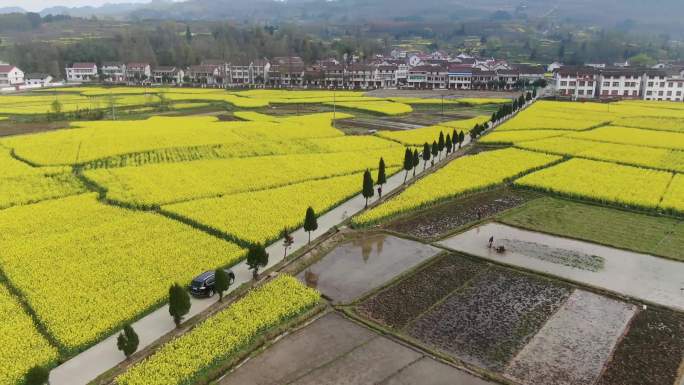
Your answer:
<point x="203" y="284"/>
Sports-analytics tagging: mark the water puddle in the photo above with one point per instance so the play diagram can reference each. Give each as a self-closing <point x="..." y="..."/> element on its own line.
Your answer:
<point x="357" y="266"/>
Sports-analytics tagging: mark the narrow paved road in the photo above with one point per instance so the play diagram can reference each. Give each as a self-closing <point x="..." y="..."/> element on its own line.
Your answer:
<point x="101" y="357"/>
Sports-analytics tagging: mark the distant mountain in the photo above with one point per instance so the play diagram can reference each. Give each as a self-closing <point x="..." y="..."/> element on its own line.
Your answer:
<point x="599" y="12"/>
<point x="5" y="10"/>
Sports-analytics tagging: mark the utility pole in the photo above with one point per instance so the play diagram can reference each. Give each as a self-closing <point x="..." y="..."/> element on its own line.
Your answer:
<point x="334" y="108"/>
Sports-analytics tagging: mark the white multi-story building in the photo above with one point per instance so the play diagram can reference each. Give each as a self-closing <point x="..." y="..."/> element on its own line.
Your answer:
<point x="113" y="72"/>
<point x="138" y="72"/>
<point x="167" y="75"/>
<point x="663" y="85"/>
<point x="577" y="82"/>
<point x="82" y="72"/>
<point x="10" y="75"/>
<point x="623" y="83"/>
<point x="460" y="76"/>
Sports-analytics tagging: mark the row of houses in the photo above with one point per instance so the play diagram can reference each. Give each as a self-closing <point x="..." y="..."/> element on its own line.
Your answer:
<point x="292" y="72"/>
<point x="623" y="83"/>
<point x="12" y="77"/>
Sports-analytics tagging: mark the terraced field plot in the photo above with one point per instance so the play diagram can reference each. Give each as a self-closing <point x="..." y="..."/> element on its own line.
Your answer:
<point x="463" y="175"/>
<point x="107" y="264"/>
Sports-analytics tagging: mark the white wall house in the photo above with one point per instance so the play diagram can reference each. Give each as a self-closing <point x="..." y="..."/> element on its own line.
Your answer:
<point x="38" y="79"/>
<point x="114" y="72"/>
<point x="620" y="83"/>
<point x="659" y="85"/>
<point x="576" y="83"/>
<point x="82" y="72"/>
<point x="10" y="75"/>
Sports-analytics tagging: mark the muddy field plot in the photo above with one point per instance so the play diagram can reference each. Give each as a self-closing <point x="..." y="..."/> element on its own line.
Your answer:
<point x="399" y="304"/>
<point x="358" y="266"/>
<point x="650" y="353"/>
<point x="572" y="347"/>
<point x="487" y="322"/>
<point x="445" y="218"/>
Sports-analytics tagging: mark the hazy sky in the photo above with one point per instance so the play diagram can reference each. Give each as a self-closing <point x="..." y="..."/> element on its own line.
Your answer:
<point x="37" y="5"/>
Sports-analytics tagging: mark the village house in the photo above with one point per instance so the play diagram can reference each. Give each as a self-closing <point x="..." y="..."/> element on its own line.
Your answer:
<point x="10" y="75"/>
<point x="138" y="72"/>
<point x="113" y="72"/>
<point x="167" y="75"/>
<point x="38" y="79"/>
<point x="577" y="82"/>
<point x="625" y="83"/>
<point x="82" y="72"/>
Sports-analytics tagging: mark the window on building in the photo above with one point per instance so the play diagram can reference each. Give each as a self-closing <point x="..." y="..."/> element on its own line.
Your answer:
<point x="616" y="84"/>
<point x="573" y="84"/>
<point x="614" y="92"/>
<point x="606" y="84"/>
<point x="580" y="92"/>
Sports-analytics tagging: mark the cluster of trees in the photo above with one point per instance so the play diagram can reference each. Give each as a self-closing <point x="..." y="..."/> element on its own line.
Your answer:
<point x="178" y="44"/>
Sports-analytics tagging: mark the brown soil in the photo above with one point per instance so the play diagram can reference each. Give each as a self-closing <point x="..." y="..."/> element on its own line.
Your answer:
<point x="8" y="128"/>
<point x="650" y="353"/>
<point x="401" y="303"/>
<point x="443" y="219"/>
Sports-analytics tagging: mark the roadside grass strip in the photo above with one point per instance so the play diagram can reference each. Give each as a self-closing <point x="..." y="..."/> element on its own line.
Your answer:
<point x="86" y="268"/>
<point x="673" y="200"/>
<point x="158" y="184"/>
<point x="192" y="355"/>
<point x="602" y="182"/>
<point x="259" y="217"/>
<point x="659" y="158"/>
<point x="518" y="136"/>
<point x="573" y="345"/>
<point x="419" y="136"/>
<point x="634" y="136"/>
<point x="23" y="346"/>
<point x="463" y="175"/>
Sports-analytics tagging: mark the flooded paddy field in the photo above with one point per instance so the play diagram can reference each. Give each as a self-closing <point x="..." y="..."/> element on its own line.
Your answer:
<point x="401" y="303"/>
<point x="573" y="345"/>
<point x="640" y="276"/>
<point x="355" y="267"/>
<point x="334" y="350"/>
<point x="437" y="221"/>
<point x="528" y="329"/>
<point x="491" y="318"/>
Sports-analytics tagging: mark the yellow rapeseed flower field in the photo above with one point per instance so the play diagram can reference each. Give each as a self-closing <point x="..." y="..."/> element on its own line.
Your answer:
<point x="463" y="175"/>
<point x="158" y="184"/>
<point x="86" y="267"/>
<point x="22" y="345"/>
<point x="634" y="136"/>
<point x="89" y="141"/>
<point x="259" y="217"/>
<point x="220" y="337"/>
<point x="602" y="181"/>
<point x="419" y="136"/>
<point x="673" y="200"/>
<point x="659" y="158"/>
<point x="518" y="136"/>
<point x="652" y="122"/>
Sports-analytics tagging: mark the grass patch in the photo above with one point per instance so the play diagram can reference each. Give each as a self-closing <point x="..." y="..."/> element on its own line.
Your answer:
<point x="655" y="235"/>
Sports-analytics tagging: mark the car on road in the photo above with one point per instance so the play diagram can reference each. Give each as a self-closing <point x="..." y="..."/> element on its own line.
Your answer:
<point x="204" y="284"/>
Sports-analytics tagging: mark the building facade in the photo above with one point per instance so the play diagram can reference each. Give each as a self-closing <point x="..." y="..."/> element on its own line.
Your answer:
<point x="82" y="72"/>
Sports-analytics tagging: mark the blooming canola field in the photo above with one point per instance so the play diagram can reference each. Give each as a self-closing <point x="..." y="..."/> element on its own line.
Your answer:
<point x="97" y="220"/>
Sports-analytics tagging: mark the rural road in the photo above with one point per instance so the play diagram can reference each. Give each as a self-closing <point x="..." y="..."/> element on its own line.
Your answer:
<point x="89" y="364"/>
